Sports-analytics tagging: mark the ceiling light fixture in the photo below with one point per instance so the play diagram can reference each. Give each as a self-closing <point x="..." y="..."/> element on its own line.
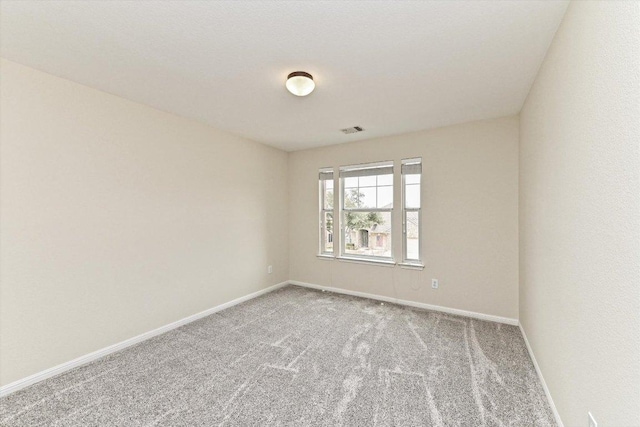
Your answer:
<point x="300" y="83"/>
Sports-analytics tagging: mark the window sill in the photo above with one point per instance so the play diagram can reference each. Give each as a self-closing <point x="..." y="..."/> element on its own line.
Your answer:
<point x="411" y="266"/>
<point x="379" y="262"/>
<point x="383" y="263"/>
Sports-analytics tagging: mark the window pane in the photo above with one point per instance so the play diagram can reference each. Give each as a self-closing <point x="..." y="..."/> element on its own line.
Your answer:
<point x="328" y="232"/>
<point x="367" y="197"/>
<point x="413" y="231"/>
<point x="412" y="196"/>
<point x="368" y="181"/>
<point x="412" y="179"/>
<point x="329" y="184"/>
<point x="351" y="182"/>
<point x="328" y="195"/>
<point x="385" y="197"/>
<point x="367" y="233"/>
<point x="385" y="179"/>
<point x="350" y="198"/>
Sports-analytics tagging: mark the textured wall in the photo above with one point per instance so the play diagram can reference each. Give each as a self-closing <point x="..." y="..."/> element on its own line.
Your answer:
<point x="579" y="215"/>
<point x="118" y="218"/>
<point x="469" y="217"/>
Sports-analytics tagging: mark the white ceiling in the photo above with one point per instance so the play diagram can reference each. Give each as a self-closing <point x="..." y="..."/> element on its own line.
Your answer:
<point x="390" y="67"/>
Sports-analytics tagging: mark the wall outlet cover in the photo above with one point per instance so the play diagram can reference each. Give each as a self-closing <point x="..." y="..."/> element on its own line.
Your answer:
<point x="434" y="283"/>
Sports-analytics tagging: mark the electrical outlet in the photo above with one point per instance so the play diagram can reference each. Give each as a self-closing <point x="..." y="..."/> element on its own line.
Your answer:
<point x="270" y="269"/>
<point x="592" y="421"/>
<point x="434" y="283"/>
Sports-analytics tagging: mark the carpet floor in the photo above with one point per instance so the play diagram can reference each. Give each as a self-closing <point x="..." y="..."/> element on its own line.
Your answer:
<point x="298" y="357"/>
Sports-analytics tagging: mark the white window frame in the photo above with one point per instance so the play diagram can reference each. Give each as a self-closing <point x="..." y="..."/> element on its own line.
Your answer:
<point x="324" y="175"/>
<point x="343" y="210"/>
<point x="406" y="165"/>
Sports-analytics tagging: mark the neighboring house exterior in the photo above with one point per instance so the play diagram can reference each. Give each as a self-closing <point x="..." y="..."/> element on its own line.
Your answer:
<point x="379" y="237"/>
<point x="376" y="240"/>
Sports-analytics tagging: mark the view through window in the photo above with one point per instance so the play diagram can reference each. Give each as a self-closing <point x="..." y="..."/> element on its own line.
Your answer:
<point x="326" y="211"/>
<point x="367" y="206"/>
<point x="411" y="180"/>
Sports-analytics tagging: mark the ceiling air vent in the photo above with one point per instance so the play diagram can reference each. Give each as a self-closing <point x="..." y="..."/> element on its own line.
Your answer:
<point x="354" y="129"/>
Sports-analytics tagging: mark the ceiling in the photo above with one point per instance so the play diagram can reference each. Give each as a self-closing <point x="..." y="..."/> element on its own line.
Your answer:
<point x="390" y="67"/>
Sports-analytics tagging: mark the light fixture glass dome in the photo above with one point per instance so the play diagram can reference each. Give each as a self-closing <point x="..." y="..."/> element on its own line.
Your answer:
<point x="300" y="83"/>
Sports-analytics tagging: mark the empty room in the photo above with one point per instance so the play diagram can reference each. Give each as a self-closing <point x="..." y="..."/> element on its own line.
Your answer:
<point x="320" y="213"/>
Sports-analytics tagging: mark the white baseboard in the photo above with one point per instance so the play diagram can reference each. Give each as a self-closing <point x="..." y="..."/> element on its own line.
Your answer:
<point x="544" y="384"/>
<point x="473" y="314"/>
<point x="56" y="370"/>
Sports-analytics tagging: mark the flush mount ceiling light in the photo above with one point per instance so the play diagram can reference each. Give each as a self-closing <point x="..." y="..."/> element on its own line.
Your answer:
<point x="300" y="83"/>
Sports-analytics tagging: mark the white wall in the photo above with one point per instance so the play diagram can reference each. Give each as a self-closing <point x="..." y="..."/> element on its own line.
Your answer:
<point x="469" y="216"/>
<point x="118" y="219"/>
<point x="579" y="215"/>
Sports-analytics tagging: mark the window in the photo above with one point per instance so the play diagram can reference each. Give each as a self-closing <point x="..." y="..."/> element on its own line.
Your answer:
<point x="366" y="210"/>
<point x="326" y="211"/>
<point x="365" y="216"/>
<point x="411" y="177"/>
